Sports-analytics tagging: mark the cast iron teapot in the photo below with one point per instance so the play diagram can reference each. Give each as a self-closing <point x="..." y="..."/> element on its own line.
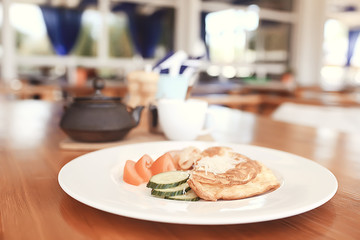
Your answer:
<point x="99" y="118"/>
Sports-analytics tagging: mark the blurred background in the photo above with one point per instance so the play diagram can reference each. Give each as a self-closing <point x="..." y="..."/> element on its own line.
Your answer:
<point x="285" y="50"/>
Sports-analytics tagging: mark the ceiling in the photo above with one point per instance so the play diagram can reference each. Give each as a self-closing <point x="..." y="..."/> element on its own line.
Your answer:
<point x="346" y="11"/>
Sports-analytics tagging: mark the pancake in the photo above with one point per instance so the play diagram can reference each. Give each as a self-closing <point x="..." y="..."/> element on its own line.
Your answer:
<point x="221" y="173"/>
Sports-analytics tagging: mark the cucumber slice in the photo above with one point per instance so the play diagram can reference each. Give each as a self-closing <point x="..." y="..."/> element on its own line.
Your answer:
<point x="178" y="190"/>
<point x="188" y="196"/>
<point x="167" y="180"/>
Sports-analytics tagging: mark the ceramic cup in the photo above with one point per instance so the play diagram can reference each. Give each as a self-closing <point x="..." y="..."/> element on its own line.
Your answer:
<point x="183" y="120"/>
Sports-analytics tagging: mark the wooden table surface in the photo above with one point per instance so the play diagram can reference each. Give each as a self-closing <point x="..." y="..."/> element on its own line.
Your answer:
<point x="33" y="206"/>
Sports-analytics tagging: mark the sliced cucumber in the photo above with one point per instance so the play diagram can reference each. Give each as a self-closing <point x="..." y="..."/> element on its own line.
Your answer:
<point x="188" y="196"/>
<point x="167" y="180"/>
<point x="178" y="190"/>
<point x="172" y="185"/>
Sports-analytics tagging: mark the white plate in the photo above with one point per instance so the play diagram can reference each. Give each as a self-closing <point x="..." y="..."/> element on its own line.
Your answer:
<point x="95" y="179"/>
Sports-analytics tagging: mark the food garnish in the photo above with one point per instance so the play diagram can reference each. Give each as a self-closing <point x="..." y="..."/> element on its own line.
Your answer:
<point x="136" y="173"/>
<point x="172" y="185"/>
<point x="142" y="166"/>
<point x="163" y="164"/>
<point x="131" y="176"/>
<point x="168" y="179"/>
<point x="188" y="196"/>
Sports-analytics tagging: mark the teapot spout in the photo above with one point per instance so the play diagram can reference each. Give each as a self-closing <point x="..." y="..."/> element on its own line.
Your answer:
<point x="136" y="114"/>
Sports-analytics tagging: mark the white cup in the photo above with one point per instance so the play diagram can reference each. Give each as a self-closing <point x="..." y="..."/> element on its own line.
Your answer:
<point x="183" y="119"/>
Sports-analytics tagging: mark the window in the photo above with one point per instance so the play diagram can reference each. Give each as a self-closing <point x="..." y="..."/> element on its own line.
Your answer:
<point x="239" y="39"/>
<point x="153" y="26"/>
<point x="245" y="44"/>
<point x="31" y="37"/>
<point x="120" y="44"/>
<point x="273" y="42"/>
<point x="227" y="35"/>
<point x="88" y="38"/>
<point x="335" y="43"/>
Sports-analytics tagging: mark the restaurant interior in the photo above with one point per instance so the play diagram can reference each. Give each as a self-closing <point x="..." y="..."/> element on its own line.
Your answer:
<point x="281" y="51"/>
<point x="276" y="74"/>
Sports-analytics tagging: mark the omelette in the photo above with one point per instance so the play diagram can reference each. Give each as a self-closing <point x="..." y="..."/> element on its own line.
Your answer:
<point x="220" y="173"/>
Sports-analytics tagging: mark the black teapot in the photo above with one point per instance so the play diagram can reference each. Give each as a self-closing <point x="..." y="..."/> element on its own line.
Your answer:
<point x="99" y="118"/>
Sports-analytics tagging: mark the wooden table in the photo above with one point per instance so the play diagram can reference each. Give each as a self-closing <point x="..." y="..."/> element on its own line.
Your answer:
<point x="33" y="206"/>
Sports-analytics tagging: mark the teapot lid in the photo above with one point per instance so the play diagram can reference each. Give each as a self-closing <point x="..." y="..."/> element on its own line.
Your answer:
<point x="98" y="85"/>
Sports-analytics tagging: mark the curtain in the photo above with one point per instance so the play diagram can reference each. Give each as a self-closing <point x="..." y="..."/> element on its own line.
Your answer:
<point x="203" y="33"/>
<point x="353" y="36"/>
<point x="145" y="30"/>
<point x="63" y="27"/>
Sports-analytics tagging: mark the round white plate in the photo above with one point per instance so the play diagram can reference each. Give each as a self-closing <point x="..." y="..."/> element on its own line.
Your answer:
<point x="95" y="179"/>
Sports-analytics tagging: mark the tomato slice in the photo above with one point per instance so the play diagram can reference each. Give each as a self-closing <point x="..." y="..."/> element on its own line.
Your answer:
<point x="130" y="174"/>
<point x="142" y="167"/>
<point x="164" y="163"/>
<point x="175" y="157"/>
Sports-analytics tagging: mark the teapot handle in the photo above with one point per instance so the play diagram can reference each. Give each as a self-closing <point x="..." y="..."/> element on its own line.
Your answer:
<point x="135" y="113"/>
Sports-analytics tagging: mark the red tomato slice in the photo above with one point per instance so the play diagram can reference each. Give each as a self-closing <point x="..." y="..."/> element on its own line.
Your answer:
<point x="130" y="175"/>
<point x="142" y="167"/>
<point x="164" y="163"/>
<point x="175" y="157"/>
